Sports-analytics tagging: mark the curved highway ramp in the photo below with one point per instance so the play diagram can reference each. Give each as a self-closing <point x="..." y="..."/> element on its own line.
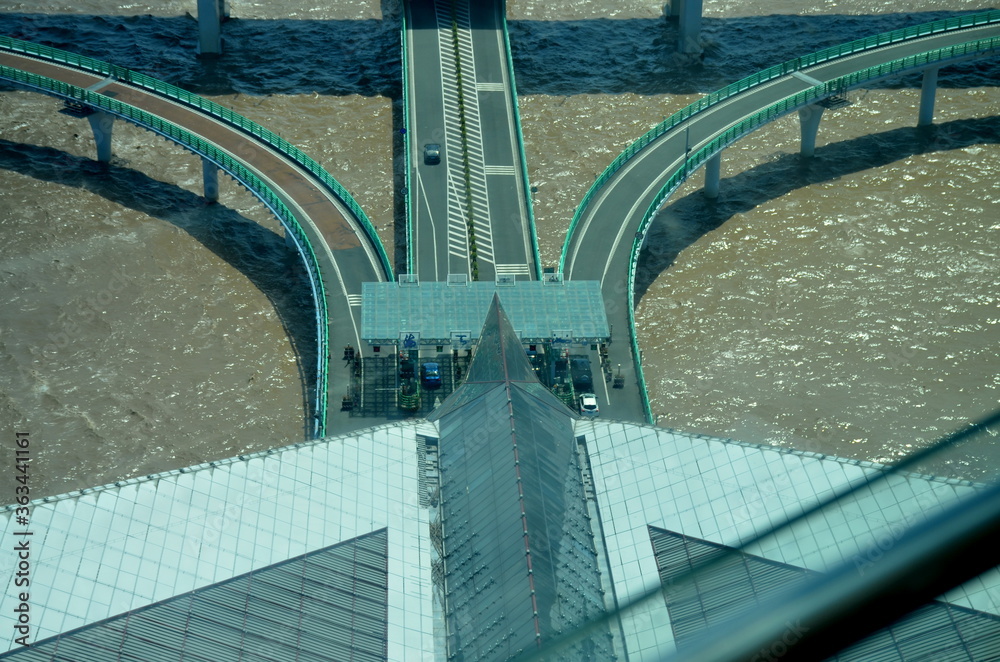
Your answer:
<point x="609" y="227"/>
<point x="340" y="248"/>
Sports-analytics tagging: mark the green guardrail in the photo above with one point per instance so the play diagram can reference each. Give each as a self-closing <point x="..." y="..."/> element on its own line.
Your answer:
<point x="520" y="146"/>
<point x="759" y="119"/>
<point x="849" y="48"/>
<point x="405" y="58"/>
<point x="234" y="168"/>
<point x="212" y="108"/>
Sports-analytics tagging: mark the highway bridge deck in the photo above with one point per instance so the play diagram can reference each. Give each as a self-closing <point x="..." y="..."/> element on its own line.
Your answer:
<point x="458" y="77"/>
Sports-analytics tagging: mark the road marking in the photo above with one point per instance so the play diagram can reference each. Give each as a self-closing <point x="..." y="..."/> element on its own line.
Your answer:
<point x="809" y="79"/>
<point x="520" y="180"/>
<point x="458" y="233"/>
<point x="433" y="223"/>
<point x="628" y="216"/>
<point x="353" y="299"/>
<point x="500" y="170"/>
<point x="516" y="269"/>
<point x="491" y="87"/>
<point x="478" y="190"/>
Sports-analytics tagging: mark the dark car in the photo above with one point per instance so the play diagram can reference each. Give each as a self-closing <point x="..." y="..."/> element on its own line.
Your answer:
<point x="560" y="368"/>
<point x="430" y="375"/>
<point x="432" y="154"/>
<point x="583" y="380"/>
<point x="406" y="370"/>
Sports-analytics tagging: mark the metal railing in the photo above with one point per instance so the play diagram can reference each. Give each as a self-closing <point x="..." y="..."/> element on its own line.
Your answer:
<point x="214" y="109"/>
<point x="759" y="119"/>
<point x="405" y="58"/>
<point x="763" y="76"/>
<point x="237" y="170"/>
<point x="755" y="120"/>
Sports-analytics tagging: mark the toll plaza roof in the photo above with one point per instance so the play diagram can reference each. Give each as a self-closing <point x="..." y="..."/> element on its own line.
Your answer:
<point x="412" y="313"/>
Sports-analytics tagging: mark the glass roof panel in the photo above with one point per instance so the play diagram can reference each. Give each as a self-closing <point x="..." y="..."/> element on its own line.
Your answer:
<point x="538" y="311"/>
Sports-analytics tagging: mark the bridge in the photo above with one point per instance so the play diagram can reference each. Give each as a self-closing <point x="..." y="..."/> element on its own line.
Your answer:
<point x="322" y="221"/>
<point x="469" y="214"/>
<point x="608" y="229"/>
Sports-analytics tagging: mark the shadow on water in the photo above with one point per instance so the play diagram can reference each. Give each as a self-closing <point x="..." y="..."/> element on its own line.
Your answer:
<point x="258" y="253"/>
<point x="260" y="57"/>
<point x="686" y="220"/>
<point x="607" y="56"/>
<point x="344" y="57"/>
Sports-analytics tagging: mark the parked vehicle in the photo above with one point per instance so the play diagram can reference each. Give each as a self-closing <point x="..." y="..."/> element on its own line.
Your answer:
<point x="588" y="405"/>
<point x="430" y="375"/>
<point x="583" y="380"/>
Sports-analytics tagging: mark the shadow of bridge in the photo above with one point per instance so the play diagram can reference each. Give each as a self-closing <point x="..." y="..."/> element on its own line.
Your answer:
<point x="362" y="57"/>
<point x="685" y="220"/>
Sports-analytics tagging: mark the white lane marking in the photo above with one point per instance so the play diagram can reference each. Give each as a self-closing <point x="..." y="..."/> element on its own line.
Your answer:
<point x="516" y="269"/>
<point x="628" y="216"/>
<point x="433" y="224"/>
<point x="604" y="382"/>
<point x="474" y="134"/>
<point x="500" y="170"/>
<point x="808" y="79"/>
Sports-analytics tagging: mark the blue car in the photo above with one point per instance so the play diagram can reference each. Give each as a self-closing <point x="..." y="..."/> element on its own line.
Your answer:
<point x="430" y="375"/>
<point x="432" y="154"/>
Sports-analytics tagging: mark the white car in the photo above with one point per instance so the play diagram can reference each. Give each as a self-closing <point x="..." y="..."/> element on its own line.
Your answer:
<point x="588" y="405"/>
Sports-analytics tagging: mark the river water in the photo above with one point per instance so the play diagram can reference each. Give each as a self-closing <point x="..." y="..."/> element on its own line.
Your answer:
<point x="845" y="305"/>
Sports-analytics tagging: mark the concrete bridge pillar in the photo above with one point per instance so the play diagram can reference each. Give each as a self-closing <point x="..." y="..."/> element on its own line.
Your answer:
<point x="928" y="91"/>
<point x="102" y="124"/>
<point x="687" y="13"/>
<point x="210" y="14"/>
<point x="210" y="175"/>
<point x="809" y="118"/>
<point x="713" y="174"/>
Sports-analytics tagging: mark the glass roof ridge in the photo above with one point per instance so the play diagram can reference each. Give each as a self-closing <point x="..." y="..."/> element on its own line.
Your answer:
<point x="499" y="356"/>
<point x="517" y="507"/>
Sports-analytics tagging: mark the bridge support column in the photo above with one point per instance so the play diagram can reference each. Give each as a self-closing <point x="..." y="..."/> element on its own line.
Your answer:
<point x="713" y="174"/>
<point x="809" y="118"/>
<point x="102" y="124"/>
<point x="928" y="90"/>
<point x="210" y="27"/>
<point x="688" y="15"/>
<point x="210" y="175"/>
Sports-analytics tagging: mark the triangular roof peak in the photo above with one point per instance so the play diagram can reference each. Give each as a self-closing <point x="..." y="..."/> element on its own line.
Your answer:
<point x="499" y="355"/>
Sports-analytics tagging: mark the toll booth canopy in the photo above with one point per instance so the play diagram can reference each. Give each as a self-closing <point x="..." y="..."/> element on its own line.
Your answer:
<point x="411" y="314"/>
